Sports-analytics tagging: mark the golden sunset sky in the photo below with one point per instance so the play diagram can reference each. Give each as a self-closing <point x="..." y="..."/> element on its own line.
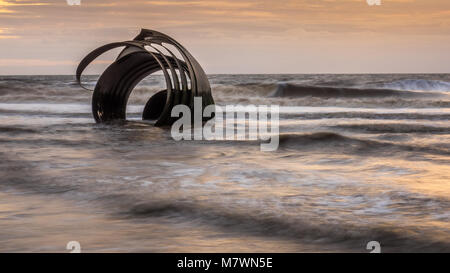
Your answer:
<point x="303" y="36"/>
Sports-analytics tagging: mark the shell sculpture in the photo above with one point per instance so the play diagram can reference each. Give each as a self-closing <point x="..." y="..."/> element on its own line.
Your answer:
<point x="151" y="51"/>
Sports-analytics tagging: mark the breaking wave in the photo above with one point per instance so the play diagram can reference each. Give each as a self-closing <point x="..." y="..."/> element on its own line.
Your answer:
<point x="258" y="223"/>
<point x="368" y="115"/>
<point x="422" y="85"/>
<point x="394" y="128"/>
<point x="293" y="90"/>
<point x="333" y="142"/>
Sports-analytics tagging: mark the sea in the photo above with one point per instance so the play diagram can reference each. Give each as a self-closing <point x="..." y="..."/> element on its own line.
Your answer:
<point x="361" y="158"/>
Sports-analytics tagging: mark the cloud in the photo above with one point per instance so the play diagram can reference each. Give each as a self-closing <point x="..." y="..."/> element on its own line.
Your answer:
<point x="34" y="62"/>
<point x="5" y="34"/>
<point x="208" y="4"/>
<point x="50" y="29"/>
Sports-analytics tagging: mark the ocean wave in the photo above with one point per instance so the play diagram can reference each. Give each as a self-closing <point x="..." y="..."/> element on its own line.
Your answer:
<point x="351" y="92"/>
<point x="293" y="90"/>
<point x="4" y="112"/>
<point x="418" y="84"/>
<point x="244" y="89"/>
<point x="331" y="142"/>
<point x="367" y="115"/>
<point x="281" y="226"/>
<point x="17" y="130"/>
<point x="384" y="102"/>
<point x="393" y="128"/>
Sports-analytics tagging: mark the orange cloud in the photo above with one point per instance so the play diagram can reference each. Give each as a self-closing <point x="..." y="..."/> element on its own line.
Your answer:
<point x="33" y="62"/>
<point x="297" y="30"/>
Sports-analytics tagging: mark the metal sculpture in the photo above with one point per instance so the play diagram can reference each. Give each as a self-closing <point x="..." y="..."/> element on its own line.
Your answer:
<point x="185" y="79"/>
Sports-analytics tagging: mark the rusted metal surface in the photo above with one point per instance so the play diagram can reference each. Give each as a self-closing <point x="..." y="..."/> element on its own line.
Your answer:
<point x="146" y="54"/>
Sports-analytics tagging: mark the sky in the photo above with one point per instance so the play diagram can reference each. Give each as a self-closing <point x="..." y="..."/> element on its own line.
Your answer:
<point x="268" y="36"/>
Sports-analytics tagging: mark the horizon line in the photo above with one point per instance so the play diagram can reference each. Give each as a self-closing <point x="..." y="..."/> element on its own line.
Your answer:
<point x="212" y="74"/>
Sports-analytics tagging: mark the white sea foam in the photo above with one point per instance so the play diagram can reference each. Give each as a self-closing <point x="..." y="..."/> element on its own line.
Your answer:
<point x="419" y="84"/>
